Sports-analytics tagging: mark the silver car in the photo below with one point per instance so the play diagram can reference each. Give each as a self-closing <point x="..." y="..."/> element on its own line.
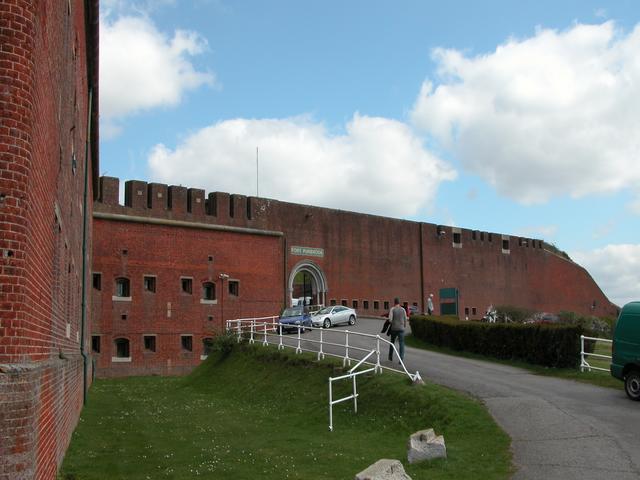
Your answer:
<point x="334" y="316"/>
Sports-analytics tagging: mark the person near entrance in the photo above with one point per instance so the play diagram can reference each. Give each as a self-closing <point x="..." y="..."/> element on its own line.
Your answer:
<point x="398" y="319"/>
<point x="430" y="304"/>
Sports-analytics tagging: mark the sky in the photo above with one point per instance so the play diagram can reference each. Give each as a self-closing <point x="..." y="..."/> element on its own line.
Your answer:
<point x="521" y="118"/>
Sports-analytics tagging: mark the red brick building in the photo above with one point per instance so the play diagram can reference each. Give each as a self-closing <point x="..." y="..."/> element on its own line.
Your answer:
<point x="173" y="263"/>
<point x="48" y="173"/>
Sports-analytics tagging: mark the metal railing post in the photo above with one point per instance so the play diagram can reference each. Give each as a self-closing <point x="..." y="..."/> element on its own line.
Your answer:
<point x="280" y="345"/>
<point x="239" y="331"/>
<point x="264" y="331"/>
<point x="346" y="360"/>
<point x="330" y="405"/>
<point x="582" y="353"/>
<point x="298" y="348"/>
<point x="378" y="365"/>
<point x="253" y="327"/>
<point x="320" y="352"/>
<point x="355" y="395"/>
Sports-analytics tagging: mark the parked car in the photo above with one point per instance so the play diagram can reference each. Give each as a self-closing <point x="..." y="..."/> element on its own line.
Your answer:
<point x="334" y="316"/>
<point x="625" y="361"/>
<point x="291" y="317"/>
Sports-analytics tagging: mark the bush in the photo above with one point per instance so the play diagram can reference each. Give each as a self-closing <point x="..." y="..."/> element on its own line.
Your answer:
<point x="515" y="314"/>
<point x="542" y="344"/>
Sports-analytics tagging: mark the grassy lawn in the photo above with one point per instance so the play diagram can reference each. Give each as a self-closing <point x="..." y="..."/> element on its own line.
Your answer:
<point x="595" y="377"/>
<point x="260" y="413"/>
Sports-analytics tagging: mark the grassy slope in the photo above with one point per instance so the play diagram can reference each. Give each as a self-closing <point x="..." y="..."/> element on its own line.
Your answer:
<point x="261" y="413"/>
<point x="602" y="379"/>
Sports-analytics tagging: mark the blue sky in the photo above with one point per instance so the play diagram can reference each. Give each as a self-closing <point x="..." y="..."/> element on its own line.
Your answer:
<point x="500" y="116"/>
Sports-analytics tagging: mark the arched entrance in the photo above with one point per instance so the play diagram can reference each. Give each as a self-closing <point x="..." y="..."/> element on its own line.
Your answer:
<point x="307" y="281"/>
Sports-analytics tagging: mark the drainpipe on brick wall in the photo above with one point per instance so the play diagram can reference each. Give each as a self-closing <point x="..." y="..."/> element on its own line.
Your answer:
<point x="85" y="216"/>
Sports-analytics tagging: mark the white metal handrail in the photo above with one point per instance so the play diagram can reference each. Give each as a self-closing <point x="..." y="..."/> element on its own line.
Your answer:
<point x="271" y="327"/>
<point x="583" y="362"/>
<point x="353" y="375"/>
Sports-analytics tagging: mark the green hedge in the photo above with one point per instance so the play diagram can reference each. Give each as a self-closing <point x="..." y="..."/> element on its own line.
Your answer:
<point x="550" y="345"/>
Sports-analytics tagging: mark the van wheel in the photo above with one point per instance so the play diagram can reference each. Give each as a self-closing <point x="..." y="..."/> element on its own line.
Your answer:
<point x="352" y="320"/>
<point x="326" y="323"/>
<point x="632" y="385"/>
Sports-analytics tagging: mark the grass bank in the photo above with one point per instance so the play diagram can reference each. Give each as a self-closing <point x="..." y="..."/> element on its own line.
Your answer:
<point x="599" y="378"/>
<point x="259" y="413"/>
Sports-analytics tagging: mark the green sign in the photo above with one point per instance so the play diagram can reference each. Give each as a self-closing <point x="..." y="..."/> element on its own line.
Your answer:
<point x="307" y="251"/>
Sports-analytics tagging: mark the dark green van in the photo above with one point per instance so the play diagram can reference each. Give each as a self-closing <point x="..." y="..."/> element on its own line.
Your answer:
<point x="625" y="361"/>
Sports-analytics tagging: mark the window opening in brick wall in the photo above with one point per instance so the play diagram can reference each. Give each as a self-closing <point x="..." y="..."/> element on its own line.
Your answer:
<point x="505" y="245"/>
<point x="208" y="291"/>
<point x="232" y="205"/>
<point x="210" y="258"/>
<point x="355" y="303"/>
<point x="150" y="343"/>
<point x="97" y="281"/>
<point x="344" y="302"/>
<point x="122" y="287"/>
<point x="186" y="341"/>
<point x="457" y="238"/>
<point x="490" y="237"/>
<point x="482" y="236"/>
<point x="466" y="310"/>
<point x="95" y="343"/>
<point x="186" y="284"/>
<point x="123" y="316"/>
<point x="365" y="304"/>
<point x="210" y="318"/>
<point x="473" y="235"/>
<point x="376" y="305"/>
<point x="386" y="305"/>
<point x="125" y="252"/>
<point x="473" y="310"/>
<point x="207" y="345"/>
<point x="332" y="302"/>
<point x="234" y="288"/>
<point x="122" y="347"/>
<point x="149" y="284"/>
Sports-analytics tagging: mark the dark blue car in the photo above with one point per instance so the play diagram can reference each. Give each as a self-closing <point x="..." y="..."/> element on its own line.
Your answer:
<point x="293" y="316"/>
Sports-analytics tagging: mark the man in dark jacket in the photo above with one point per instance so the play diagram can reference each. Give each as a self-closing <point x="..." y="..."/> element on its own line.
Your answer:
<point x="398" y="319"/>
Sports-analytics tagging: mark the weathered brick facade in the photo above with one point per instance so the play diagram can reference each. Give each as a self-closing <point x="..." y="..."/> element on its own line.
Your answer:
<point x="47" y="68"/>
<point x="172" y="233"/>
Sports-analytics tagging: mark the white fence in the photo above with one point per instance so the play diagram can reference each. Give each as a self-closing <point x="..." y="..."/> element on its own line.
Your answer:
<point x="268" y="330"/>
<point x="584" y="364"/>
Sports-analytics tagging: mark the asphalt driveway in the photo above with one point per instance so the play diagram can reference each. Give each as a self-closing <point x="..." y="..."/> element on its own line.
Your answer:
<point x="560" y="429"/>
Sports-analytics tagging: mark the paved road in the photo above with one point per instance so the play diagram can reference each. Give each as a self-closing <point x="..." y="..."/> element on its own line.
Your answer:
<point x="560" y="429"/>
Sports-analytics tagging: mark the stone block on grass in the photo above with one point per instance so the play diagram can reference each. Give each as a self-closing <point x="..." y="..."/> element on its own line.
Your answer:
<point x="385" y="469"/>
<point x="425" y="445"/>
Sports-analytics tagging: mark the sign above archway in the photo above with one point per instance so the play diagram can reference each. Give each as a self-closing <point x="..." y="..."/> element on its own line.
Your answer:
<point x="308" y="251"/>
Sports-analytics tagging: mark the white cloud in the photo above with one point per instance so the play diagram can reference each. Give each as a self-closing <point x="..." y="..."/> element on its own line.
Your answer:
<point x="546" y="116"/>
<point x="616" y="268"/>
<point x="142" y="68"/>
<point x="378" y="166"/>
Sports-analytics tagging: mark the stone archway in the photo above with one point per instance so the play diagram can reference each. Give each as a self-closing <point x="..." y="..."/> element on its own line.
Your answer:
<point x="307" y="280"/>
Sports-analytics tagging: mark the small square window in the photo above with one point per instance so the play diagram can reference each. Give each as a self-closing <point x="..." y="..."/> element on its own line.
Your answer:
<point x="234" y="288"/>
<point x="376" y="305"/>
<point x="210" y="258"/>
<point x="186" y="342"/>
<point x="473" y="310"/>
<point x="186" y="285"/>
<point x="97" y="281"/>
<point x="210" y="318"/>
<point x="344" y="302"/>
<point x="149" y="284"/>
<point x="355" y="303"/>
<point x="466" y="310"/>
<point x="125" y="252"/>
<point x="386" y="305"/>
<point x="95" y="343"/>
<point x="365" y="304"/>
<point x="123" y="316"/>
<point x="150" y="343"/>
<point x="208" y="291"/>
<point x="333" y="302"/>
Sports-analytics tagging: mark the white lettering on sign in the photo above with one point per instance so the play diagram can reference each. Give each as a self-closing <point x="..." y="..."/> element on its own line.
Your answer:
<point x="307" y="251"/>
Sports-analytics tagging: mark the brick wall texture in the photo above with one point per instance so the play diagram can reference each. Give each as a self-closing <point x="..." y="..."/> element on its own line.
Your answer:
<point x="43" y="132"/>
<point x="175" y="232"/>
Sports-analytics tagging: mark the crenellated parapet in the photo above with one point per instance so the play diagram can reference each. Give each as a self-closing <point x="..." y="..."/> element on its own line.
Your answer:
<point x="175" y="202"/>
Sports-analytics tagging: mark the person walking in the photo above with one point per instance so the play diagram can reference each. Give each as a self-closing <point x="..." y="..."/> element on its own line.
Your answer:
<point x="430" y="304"/>
<point x="398" y="319"/>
